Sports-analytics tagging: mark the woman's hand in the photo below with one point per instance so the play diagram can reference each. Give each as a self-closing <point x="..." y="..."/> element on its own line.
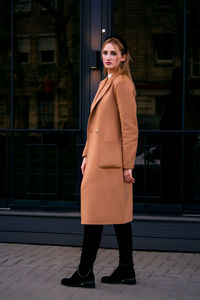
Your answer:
<point x="83" y="165"/>
<point x="128" y="176"/>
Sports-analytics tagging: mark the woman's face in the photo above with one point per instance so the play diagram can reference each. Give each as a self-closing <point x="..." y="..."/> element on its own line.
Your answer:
<point x="112" y="57"/>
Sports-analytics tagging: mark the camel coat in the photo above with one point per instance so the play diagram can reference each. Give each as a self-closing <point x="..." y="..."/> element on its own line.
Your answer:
<point x="111" y="145"/>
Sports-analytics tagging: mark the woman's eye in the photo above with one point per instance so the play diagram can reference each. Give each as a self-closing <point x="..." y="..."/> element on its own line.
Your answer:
<point x="112" y="53"/>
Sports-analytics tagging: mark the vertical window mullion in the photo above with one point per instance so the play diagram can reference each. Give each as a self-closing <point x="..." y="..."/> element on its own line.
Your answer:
<point x="12" y="68"/>
<point x="183" y="102"/>
<point x="11" y="169"/>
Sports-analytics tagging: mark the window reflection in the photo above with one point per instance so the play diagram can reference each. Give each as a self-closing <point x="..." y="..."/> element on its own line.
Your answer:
<point x="154" y="33"/>
<point x="23" y="5"/>
<point x="4" y="64"/>
<point x="164" y="48"/>
<point x="24" y="50"/>
<point x="46" y="67"/>
<point x="47" y="46"/>
<point x="192" y="114"/>
<point x="192" y="120"/>
<point x="53" y="3"/>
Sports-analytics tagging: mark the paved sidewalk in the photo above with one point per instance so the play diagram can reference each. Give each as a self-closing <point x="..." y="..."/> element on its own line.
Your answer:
<point x="32" y="272"/>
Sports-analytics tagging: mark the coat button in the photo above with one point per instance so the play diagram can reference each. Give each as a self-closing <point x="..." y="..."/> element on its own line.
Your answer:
<point x="97" y="130"/>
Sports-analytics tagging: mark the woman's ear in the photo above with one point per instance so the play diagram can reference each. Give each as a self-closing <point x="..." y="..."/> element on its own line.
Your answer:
<point x="123" y="58"/>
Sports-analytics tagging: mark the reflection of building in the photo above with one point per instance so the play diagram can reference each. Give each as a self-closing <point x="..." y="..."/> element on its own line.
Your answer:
<point x="155" y="35"/>
<point x="41" y="76"/>
<point x="44" y="105"/>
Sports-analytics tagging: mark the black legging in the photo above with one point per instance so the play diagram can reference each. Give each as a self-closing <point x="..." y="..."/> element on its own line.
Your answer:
<point x="92" y="239"/>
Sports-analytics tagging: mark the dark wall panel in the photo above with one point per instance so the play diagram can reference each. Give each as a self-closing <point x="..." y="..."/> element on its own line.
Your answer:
<point x="155" y="233"/>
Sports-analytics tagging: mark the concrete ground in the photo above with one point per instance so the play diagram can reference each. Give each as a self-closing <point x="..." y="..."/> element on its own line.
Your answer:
<point x="33" y="272"/>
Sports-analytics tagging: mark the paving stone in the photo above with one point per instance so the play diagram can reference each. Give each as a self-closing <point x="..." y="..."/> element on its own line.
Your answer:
<point x="33" y="272"/>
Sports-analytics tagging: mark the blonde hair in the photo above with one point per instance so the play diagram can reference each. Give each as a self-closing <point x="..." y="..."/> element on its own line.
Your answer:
<point x="124" y="67"/>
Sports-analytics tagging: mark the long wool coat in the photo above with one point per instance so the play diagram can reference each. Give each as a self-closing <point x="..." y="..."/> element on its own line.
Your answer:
<point x="112" y="136"/>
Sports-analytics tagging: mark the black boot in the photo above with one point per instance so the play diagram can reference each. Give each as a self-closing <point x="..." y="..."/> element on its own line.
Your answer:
<point x="91" y="242"/>
<point x="77" y="280"/>
<point x="84" y="276"/>
<point x="124" y="273"/>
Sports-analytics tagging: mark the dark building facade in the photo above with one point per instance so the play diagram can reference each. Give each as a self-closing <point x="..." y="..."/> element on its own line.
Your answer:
<point x="50" y="68"/>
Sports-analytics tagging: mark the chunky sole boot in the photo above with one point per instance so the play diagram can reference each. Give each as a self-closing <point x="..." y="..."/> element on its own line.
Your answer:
<point x="123" y="274"/>
<point x="77" y="280"/>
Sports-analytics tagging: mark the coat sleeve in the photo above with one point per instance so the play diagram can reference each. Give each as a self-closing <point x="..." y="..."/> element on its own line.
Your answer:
<point x="85" y="150"/>
<point x="125" y="98"/>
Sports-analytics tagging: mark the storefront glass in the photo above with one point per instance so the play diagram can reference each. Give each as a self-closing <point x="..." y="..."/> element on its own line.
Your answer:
<point x="5" y="81"/>
<point x="42" y="108"/>
<point x="163" y="38"/>
<point x="46" y="64"/>
<point x="39" y="93"/>
<point x="192" y="106"/>
<point x="5" y="54"/>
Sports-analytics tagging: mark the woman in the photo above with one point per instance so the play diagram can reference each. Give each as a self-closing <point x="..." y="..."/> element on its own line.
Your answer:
<point x="108" y="160"/>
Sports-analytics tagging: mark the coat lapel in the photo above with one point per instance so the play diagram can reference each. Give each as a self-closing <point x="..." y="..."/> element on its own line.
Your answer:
<point x="104" y="86"/>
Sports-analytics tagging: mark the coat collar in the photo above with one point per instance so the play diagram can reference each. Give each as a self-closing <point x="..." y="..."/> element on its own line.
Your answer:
<point x="103" y="87"/>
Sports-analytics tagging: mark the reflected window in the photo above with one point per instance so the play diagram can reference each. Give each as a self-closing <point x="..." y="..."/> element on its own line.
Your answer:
<point x="194" y="9"/>
<point x="45" y="115"/>
<point x="52" y="3"/>
<point x="23" y="50"/>
<point x="23" y="5"/>
<point x="46" y="64"/>
<point x="195" y="59"/>
<point x="164" y="48"/>
<point x="47" y="49"/>
<point x="4" y="121"/>
<point x="163" y="3"/>
<point x="21" y="109"/>
<point x="195" y="106"/>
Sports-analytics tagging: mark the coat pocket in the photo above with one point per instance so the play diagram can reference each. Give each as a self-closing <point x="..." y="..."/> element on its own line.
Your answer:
<point x="110" y="155"/>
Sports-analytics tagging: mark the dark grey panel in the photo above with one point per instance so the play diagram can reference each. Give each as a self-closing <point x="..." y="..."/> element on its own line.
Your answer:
<point x="139" y="243"/>
<point x="179" y="234"/>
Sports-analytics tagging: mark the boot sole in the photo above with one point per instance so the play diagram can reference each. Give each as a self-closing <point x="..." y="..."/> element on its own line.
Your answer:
<point x="89" y="284"/>
<point x="129" y="281"/>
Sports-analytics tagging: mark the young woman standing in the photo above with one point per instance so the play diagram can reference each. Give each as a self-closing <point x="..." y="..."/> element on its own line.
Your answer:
<point x="108" y="160"/>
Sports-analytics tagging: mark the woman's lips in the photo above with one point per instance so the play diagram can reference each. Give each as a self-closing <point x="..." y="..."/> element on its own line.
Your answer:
<point x="108" y="63"/>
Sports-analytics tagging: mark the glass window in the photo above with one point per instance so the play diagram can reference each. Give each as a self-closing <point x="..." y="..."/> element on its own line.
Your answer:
<point x="23" y="50"/>
<point x="164" y="2"/>
<point x="5" y="70"/>
<point x="21" y="109"/>
<point x="47" y="49"/>
<point x="51" y="3"/>
<point x="155" y="40"/>
<point x="44" y="170"/>
<point x="192" y="108"/>
<point x="46" y="67"/>
<point x="22" y="5"/>
<point x="40" y="168"/>
<point x="193" y="10"/>
<point x="164" y="48"/>
<point x="4" y="121"/>
<point x="195" y="59"/>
